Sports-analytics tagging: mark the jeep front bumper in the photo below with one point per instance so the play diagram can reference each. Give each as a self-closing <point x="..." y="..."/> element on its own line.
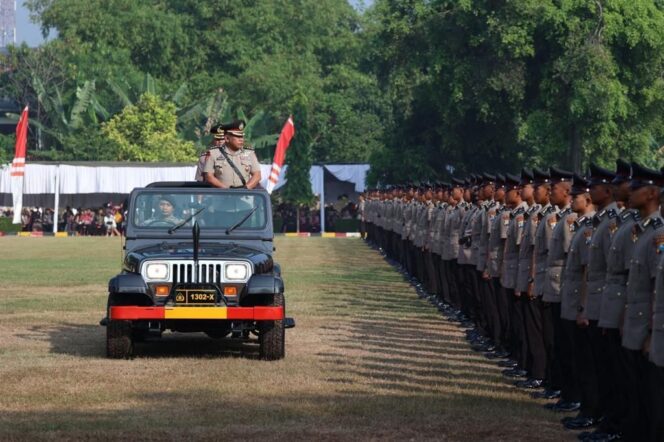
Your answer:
<point x="136" y="313"/>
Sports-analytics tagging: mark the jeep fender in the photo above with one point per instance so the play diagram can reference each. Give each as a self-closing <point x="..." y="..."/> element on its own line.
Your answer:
<point x="128" y="289"/>
<point x="265" y="285"/>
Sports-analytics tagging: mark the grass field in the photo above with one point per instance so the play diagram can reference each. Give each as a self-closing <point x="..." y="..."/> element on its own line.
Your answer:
<point x="367" y="360"/>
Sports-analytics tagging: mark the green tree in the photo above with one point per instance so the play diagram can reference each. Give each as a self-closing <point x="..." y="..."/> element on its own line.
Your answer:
<point x="147" y="131"/>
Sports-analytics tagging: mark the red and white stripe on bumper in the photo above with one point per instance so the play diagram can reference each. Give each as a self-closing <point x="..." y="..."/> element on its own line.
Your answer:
<point x="135" y="313"/>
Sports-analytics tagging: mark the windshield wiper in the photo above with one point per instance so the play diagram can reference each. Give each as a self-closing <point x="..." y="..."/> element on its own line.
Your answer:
<point x="239" y="223"/>
<point x="174" y="228"/>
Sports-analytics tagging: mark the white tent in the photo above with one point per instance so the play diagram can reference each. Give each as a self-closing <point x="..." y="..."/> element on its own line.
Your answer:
<point x="119" y="178"/>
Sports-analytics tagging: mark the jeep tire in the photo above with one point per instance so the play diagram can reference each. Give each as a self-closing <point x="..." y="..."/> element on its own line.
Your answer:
<point x="271" y="334"/>
<point x="119" y="342"/>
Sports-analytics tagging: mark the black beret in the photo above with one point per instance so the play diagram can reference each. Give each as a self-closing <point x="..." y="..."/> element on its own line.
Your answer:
<point x="599" y="175"/>
<point x="559" y="175"/>
<point x="642" y="176"/>
<point x="512" y="181"/>
<point x="580" y="185"/>
<point x="541" y="176"/>
<point x="623" y="171"/>
<point x="527" y="177"/>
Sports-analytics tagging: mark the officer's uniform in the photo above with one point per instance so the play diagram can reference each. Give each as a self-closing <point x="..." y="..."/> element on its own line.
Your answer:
<point x="515" y="225"/>
<point x="558" y="246"/>
<point x="577" y="342"/>
<point x="244" y="160"/>
<point x="218" y="135"/>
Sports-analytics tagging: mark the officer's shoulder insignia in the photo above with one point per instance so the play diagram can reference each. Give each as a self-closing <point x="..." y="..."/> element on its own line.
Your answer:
<point x="612" y="213"/>
<point x="657" y="223"/>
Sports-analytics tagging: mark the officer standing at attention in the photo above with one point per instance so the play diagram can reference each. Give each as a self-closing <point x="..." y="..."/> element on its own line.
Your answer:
<point x="574" y="292"/>
<point x="232" y="165"/>
<point x="217" y="142"/>
<point x="637" y="323"/>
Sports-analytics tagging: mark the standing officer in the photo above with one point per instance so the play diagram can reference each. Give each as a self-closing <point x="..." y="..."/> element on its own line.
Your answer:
<point x="557" y="253"/>
<point x="496" y="244"/>
<point x="217" y="142"/>
<point x="597" y="382"/>
<point x="232" y="166"/>
<point x="573" y="295"/>
<point x="656" y="365"/>
<point x="515" y="221"/>
<point x="612" y="305"/>
<point x="645" y="186"/>
<point x="535" y="247"/>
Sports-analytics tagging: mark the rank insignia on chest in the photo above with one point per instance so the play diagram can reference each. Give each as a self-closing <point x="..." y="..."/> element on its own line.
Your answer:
<point x="659" y="243"/>
<point x="552" y="222"/>
<point x="506" y="220"/>
<point x="613" y="227"/>
<point x="635" y="233"/>
<point x="572" y="227"/>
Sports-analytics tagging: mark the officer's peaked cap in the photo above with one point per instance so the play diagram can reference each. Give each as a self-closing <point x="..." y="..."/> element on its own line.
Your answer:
<point x="642" y="176"/>
<point x="560" y="175"/>
<point x="600" y="175"/>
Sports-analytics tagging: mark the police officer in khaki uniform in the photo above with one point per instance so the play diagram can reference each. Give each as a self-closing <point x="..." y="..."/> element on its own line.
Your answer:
<point x="217" y="142"/>
<point x="232" y="165"/>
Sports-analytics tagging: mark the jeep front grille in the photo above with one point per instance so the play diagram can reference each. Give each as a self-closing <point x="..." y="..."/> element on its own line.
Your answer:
<point x="209" y="272"/>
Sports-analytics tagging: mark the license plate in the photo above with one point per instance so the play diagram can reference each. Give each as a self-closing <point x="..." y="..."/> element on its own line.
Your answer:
<point x="195" y="296"/>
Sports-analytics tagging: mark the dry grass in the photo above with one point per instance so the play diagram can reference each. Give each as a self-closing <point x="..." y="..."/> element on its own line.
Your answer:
<point x="367" y="360"/>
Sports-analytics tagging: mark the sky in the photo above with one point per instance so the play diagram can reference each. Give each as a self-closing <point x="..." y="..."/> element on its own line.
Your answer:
<point x="28" y="32"/>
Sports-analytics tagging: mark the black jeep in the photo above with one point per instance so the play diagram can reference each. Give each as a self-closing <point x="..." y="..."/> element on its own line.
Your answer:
<point x="197" y="259"/>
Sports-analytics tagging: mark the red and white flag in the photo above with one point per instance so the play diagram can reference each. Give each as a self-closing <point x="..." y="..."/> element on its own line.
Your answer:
<point x="280" y="153"/>
<point x="17" y="170"/>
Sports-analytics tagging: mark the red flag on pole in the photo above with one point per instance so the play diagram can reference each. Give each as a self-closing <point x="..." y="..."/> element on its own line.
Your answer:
<point x="285" y="137"/>
<point x="17" y="170"/>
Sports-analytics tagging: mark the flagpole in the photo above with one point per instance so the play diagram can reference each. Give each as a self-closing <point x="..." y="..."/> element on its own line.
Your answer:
<point x="56" y="205"/>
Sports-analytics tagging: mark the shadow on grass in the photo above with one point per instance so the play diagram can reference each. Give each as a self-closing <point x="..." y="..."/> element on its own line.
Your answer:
<point x="89" y="341"/>
<point x="392" y="414"/>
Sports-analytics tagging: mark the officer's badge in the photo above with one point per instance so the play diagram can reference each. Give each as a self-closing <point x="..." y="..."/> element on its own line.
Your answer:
<point x="588" y="234"/>
<point x="506" y="219"/>
<point x="613" y="228"/>
<point x="520" y="220"/>
<point x="553" y="221"/>
<point x="659" y="243"/>
<point x="635" y="233"/>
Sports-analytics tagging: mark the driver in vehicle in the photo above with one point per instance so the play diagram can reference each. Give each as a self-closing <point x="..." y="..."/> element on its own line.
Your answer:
<point x="167" y="208"/>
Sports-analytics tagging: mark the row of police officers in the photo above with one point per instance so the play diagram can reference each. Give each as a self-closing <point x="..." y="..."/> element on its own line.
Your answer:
<point x="556" y="276"/>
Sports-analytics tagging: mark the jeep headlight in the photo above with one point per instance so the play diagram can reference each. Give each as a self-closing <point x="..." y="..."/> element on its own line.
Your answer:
<point x="156" y="271"/>
<point x="236" y="272"/>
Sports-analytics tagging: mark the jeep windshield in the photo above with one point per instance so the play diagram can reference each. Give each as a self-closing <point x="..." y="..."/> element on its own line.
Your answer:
<point x="163" y="209"/>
